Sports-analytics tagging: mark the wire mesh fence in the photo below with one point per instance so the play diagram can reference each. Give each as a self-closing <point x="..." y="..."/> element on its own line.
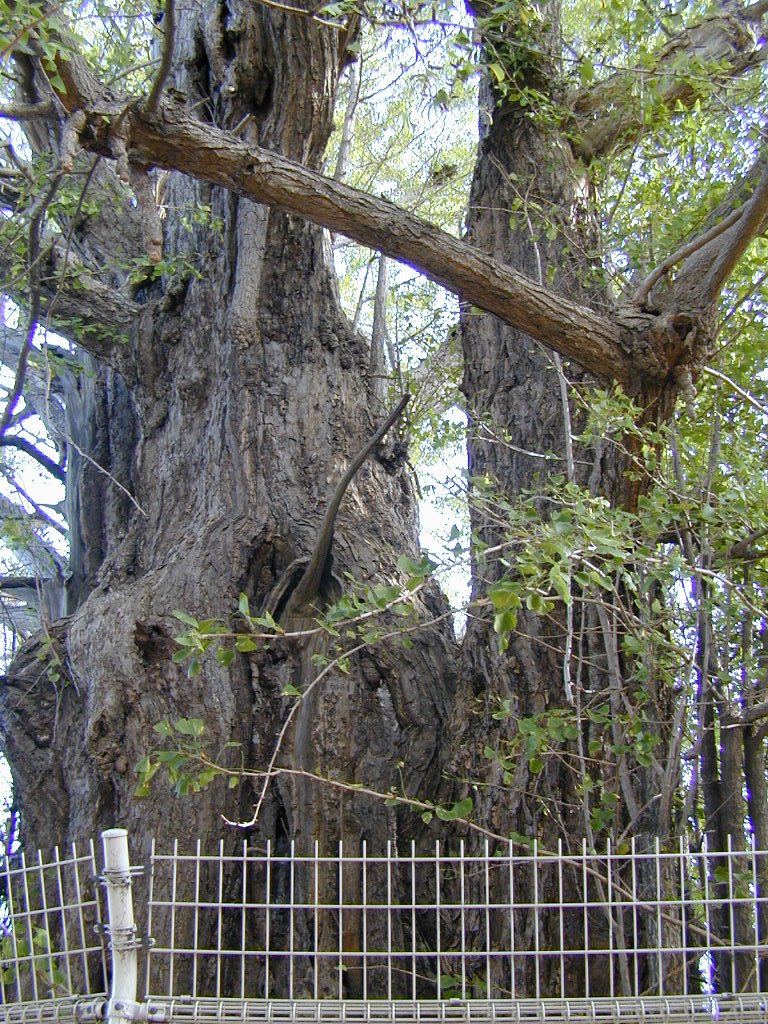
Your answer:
<point x="51" y="927"/>
<point x="489" y="933"/>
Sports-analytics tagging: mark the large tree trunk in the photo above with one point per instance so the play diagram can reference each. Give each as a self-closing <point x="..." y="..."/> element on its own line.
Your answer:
<point x="530" y="208"/>
<point x="242" y="399"/>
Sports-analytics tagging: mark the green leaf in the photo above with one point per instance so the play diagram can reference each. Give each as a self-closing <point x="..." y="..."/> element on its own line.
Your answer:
<point x="245" y="643"/>
<point x="185" y="617"/>
<point x="461" y="809"/>
<point x="505" y="623"/>
<point x="289" y="690"/>
<point x="189" y="726"/>
<point x="497" y="71"/>
<point x="586" y="71"/>
<point x="224" y="656"/>
<point x="560" y="584"/>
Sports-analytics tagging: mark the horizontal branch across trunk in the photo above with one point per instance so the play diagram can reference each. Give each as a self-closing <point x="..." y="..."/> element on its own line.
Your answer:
<point x="174" y="140"/>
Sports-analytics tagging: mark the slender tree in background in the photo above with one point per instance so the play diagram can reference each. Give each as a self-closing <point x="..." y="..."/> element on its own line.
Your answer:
<point x="174" y="230"/>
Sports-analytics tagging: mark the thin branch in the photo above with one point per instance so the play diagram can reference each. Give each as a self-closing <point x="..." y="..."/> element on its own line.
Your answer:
<point x="682" y="253"/>
<point x="27" y="111"/>
<point x="169" y="32"/>
<point x="29" y="449"/>
<point x="35" y="225"/>
<point x="762" y="409"/>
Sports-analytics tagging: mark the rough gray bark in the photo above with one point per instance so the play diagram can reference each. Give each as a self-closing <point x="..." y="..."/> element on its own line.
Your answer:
<point x="520" y="437"/>
<point x="232" y="408"/>
<point x="227" y="400"/>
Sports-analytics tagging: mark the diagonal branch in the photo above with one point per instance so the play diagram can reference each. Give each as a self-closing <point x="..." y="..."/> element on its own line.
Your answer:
<point x="708" y="267"/>
<point x="173" y="139"/>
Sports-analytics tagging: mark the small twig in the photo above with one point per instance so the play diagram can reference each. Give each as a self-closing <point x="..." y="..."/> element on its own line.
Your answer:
<point x="303" y="12"/>
<point x="762" y="409"/>
<point x="169" y="33"/>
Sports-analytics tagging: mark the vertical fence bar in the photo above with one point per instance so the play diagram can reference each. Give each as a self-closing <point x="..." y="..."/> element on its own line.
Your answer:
<point x="755" y="912"/>
<point x="681" y="874"/>
<point x="121" y="927"/>
<point x="29" y="934"/>
<point x="220" y="920"/>
<point x="585" y="916"/>
<point x="196" y="919"/>
<point x="536" y="920"/>
<point x="612" y="910"/>
<point x="512" y="958"/>
<point x="561" y="912"/>
<point x="292" y="921"/>
<point x="364" y="917"/>
<point x="732" y="916"/>
<point x="488" y="961"/>
<point x="267" y="919"/>
<point x="414" y="972"/>
<point x="316" y="919"/>
<point x="243" y="921"/>
<point x="390" y="912"/>
<point x="463" y="913"/>
<point x="438" y="933"/>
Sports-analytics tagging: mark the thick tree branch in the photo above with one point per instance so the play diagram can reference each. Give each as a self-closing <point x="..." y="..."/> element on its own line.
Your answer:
<point x="27" y="111"/>
<point x="97" y="317"/>
<point x="173" y="139"/>
<point x="609" y="115"/>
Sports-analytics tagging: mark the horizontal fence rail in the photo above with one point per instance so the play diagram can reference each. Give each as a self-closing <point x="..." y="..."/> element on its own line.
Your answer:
<point x="496" y="933"/>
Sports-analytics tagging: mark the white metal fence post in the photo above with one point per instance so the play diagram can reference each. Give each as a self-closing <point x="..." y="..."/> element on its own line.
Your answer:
<point x="121" y="926"/>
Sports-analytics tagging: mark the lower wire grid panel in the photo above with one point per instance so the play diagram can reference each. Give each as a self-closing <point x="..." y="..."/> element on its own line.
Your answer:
<point x="503" y="934"/>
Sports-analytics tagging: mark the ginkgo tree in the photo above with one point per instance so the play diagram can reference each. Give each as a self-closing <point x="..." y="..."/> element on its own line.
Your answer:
<point x="173" y="316"/>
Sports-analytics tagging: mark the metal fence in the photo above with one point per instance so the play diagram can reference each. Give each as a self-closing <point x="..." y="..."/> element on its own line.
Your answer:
<point x="477" y="934"/>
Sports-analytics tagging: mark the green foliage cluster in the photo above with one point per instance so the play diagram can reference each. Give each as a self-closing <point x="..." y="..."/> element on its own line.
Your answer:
<point x="34" y="953"/>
